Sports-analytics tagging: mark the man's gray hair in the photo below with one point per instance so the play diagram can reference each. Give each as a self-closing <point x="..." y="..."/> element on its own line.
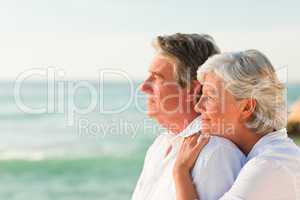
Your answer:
<point x="189" y="51"/>
<point x="250" y="75"/>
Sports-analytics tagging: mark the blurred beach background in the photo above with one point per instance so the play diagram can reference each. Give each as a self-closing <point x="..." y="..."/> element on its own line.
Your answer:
<point x="42" y="158"/>
<point x="64" y="154"/>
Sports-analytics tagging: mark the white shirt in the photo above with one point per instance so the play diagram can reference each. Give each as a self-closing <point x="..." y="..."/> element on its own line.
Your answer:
<point x="214" y="172"/>
<point x="272" y="171"/>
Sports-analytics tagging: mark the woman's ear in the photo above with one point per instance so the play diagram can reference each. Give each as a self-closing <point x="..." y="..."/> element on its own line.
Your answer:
<point x="247" y="108"/>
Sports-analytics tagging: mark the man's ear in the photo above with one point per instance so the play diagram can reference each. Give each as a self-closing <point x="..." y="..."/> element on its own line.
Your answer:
<point x="247" y="108"/>
<point x="195" y="91"/>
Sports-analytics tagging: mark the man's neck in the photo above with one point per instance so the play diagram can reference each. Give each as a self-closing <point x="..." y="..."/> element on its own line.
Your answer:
<point x="179" y="123"/>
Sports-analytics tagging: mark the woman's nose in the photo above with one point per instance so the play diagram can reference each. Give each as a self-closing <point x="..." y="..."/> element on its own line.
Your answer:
<point x="199" y="107"/>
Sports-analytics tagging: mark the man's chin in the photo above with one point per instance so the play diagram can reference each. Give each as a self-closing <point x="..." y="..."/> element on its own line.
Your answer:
<point x="151" y="110"/>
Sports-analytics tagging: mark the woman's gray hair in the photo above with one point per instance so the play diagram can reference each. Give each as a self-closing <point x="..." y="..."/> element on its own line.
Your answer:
<point x="250" y="75"/>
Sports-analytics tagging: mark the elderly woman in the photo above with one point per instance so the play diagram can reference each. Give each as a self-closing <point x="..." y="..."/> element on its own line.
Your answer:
<point x="244" y="101"/>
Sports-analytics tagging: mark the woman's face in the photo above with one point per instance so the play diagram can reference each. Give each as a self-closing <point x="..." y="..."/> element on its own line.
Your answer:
<point x="220" y="113"/>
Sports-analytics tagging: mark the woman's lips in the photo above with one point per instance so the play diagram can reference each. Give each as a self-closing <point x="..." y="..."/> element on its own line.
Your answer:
<point x="205" y="120"/>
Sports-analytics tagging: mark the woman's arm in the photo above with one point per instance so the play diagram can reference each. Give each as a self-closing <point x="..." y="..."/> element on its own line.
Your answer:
<point x="186" y="158"/>
<point x="185" y="189"/>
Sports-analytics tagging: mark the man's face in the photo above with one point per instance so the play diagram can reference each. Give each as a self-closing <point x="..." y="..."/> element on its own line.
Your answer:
<point x="164" y="95"/>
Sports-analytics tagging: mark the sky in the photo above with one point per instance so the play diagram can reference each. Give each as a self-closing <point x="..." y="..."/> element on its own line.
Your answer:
<point x="83" y="37"/>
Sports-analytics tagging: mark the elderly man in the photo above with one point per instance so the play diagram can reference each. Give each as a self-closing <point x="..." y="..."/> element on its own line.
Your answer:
<point x="170" y="89"/>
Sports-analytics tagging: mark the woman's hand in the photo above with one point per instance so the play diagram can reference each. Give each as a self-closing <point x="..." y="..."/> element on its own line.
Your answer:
<point x="188" y="153"/>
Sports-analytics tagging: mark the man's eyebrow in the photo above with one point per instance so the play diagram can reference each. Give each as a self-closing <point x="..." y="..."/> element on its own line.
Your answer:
<point x="157" y="74"/>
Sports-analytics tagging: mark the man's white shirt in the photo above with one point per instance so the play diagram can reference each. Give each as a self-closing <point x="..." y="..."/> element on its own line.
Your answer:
<point x="215" y="170"/>
<point x="272" y="171"/>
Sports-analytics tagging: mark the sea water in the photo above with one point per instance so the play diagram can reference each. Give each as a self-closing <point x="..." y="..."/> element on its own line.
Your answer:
<point x="92" y="155"/>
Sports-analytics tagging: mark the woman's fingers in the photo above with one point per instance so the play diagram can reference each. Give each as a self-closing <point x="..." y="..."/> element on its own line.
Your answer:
<point x="189" y="151"/>
<point x="193" y="140"/>
<point x="201" y="142"/>
<point x="196" y="142"/>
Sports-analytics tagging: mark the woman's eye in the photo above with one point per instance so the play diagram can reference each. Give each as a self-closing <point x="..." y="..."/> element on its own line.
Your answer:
<point x="209" y="98"/>
<point x="206" y="97"/>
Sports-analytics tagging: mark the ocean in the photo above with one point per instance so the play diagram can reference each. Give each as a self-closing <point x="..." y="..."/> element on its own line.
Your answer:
<point x="75" y="140"/>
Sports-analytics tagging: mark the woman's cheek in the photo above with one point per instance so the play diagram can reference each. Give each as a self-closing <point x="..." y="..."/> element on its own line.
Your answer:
<point x="212" y="110"/>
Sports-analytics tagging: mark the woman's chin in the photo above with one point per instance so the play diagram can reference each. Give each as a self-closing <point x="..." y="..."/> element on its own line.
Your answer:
<point x="205" y="126"/>
<point x="205" y="131"/>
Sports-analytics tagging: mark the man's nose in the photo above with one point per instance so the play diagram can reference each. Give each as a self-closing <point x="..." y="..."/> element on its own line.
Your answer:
<point x="146" y="87"/>
<point x="200" y="107"/>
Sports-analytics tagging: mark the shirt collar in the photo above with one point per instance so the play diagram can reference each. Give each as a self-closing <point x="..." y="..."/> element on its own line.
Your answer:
<point x="267" y="139"/>
<point x="191" y="129"/>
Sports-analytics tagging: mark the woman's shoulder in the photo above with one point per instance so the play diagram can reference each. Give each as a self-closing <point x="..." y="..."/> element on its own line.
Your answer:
<point x="217" y="143"/>
<point x="221" y="149"/>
